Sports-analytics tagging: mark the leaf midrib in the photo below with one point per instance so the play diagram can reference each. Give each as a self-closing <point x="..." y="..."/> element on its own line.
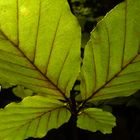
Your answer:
<point x="28" y="122"/>
<point x="17" y="47"/>
<point x="122" y="67"/>
<point x="115" y="76"/>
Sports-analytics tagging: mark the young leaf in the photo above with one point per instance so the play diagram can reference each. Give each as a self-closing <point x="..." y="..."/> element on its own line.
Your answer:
<point x="111" y="66"/>
<point x="39" y="45"/>
<point x="32" y="117"/>
<point x="94" y="119"/>
<point x="21" y="92"/>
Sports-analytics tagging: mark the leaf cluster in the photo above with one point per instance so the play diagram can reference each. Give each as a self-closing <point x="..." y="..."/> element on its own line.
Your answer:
<point x="40" y="54"/>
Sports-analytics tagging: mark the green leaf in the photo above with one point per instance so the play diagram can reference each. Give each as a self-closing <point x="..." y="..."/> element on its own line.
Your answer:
<point x="111" y="66"/>
<point x="39" y="45"/>
<point x="33" y="117"/>
<point x="21" y="92"/>
<point x="5" y="84"/>
<point x="94" y="119"/>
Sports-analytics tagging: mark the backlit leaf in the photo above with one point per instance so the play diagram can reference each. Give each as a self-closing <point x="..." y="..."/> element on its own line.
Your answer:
<point x="33" y="117"/>
<point x="21" y="92"/>
<point x="5" y="84"/>
<point x="111" y="65"/>
<point x="94" y="119"/>
<point x="39" y="45"/>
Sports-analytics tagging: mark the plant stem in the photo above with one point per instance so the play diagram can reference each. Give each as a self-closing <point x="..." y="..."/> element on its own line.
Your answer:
<point x="73" y="119"/>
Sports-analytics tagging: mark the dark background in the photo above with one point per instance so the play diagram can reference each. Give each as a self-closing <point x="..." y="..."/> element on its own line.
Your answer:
<point x="126" y="110"/>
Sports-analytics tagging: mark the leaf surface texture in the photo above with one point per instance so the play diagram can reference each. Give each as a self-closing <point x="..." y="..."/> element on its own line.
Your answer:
<point x="33" y="117"/>
<point x="94" y="119"/>
<point x="39" y="45"/>
<point x="111" y="66"/>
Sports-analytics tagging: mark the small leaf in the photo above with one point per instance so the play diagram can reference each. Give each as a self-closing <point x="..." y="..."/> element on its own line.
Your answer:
<point x="33" y="117"/>
<point x="111" y="66"/>
<point x="21" y="92"/>
<point x="94" y="119"/>
<point x="39" y="45"/>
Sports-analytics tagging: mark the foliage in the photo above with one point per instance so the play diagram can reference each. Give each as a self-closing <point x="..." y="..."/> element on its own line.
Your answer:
<point x="40" y="53"/>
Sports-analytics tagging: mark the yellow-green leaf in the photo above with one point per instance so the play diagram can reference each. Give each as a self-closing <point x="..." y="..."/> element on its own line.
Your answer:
<point x="33" y="117"/>
<point x="39" y="45"/>
<point x="21" y="92"/>
<point x="94" y="119"/>
<point x="5" y="84"/>
<point x="111" y="66"/>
